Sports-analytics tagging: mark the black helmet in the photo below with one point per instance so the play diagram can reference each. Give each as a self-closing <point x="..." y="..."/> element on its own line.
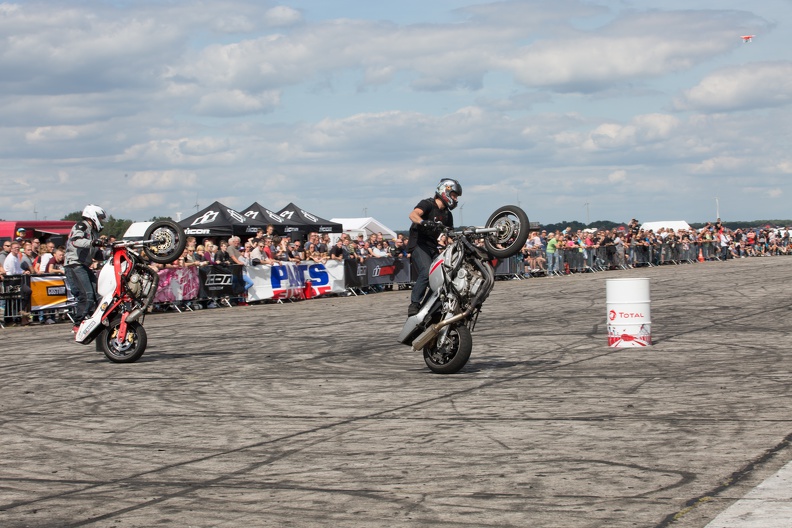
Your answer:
<point x="444" y="191"/>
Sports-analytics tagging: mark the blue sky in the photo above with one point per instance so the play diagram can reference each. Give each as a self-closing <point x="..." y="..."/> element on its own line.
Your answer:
<point x="576" y="110"/>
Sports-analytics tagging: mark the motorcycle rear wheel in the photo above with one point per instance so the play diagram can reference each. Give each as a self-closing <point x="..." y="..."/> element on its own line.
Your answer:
<point x="131" y="349"/>
<point x="513" y="227"/>
<point x="450" y="358"/>
<point x="170" y="241"/>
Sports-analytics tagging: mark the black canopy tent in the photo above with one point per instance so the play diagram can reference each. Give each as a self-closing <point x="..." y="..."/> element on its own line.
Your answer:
<point x="309" y="222"/>
<point x="261" y="214"/>
<point x="220" y="221"/>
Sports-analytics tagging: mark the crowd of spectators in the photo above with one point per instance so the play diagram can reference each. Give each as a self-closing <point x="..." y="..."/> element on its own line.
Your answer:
<point x="564" y="251"/>
<point x="545" y="253"/>
<point x="30" y="257"/>
<point x="268" y="248"/>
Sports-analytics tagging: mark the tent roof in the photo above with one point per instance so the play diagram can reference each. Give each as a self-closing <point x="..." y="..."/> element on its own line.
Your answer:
<point x="666" y="224"/>
<point x="219" y="220"/>
<point x="136" y="230"/>
<point x="368" y="224"/>
<point x="261" y="215"/>
<point x="312" y="222"/>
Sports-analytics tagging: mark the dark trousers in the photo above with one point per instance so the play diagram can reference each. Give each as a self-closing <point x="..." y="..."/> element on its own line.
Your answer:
<point x="82" y="283"/>
<point x="422" y="258"/>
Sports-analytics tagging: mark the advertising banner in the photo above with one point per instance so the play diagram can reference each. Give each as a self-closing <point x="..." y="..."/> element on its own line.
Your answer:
<point x="177" y="284"/>
<point x="380" y="270"/>
<point x="284" y="281"/>
<point x="403" y="275"/>
<point x="324" y="278"/>
<point x="355" y="274"/>
<point x="220" y="281"/>
<point x="49" y="292"/>
<point x="290" y="281"/>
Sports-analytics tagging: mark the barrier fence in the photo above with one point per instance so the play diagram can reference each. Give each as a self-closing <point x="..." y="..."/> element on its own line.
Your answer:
<point x="217" y="285"/>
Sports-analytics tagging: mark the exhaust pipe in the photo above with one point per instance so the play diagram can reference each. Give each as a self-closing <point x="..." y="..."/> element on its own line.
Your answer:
<point x="134" y="315"/>
<point x="430" y="333"/>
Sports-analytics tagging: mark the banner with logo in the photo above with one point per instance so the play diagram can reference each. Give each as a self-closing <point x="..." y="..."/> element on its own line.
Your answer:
<point x="324" y="278"/>
<point x="403" y="271"/>
<point x="48" y="292"/>
<point x="284" y="281"/>
<point x="355" y="274"/>
<point x="220" y="281"/>
<point x="177" y="284"/>
<point x="380" y="270"/>
<point x="290" y="280"/>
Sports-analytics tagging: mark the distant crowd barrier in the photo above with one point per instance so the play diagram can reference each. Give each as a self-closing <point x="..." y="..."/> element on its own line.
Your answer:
<point x="51" y="300"/>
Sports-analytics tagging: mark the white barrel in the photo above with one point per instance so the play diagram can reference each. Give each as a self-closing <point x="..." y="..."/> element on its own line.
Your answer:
<point x="629" y="314"/>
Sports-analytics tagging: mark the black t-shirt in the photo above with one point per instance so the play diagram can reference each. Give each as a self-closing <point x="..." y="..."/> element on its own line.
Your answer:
<point x="430" y="211"/>
<point x="336" y="251"/>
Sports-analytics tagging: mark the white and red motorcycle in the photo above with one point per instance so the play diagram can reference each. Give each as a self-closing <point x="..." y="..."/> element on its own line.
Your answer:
<point x="126" y="286"/>
<point x="460" y="280"/>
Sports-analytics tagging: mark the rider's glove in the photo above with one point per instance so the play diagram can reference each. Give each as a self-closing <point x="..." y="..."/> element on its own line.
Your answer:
<point x="431" y="225"/>
<point x="97" y="242"/>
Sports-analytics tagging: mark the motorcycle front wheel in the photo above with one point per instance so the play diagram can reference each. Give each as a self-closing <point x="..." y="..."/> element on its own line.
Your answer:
<point x="512" y="224"/>
<point x="127" y="351"/>
<point x="451" y="357"/>
<point x="169" y="241"/>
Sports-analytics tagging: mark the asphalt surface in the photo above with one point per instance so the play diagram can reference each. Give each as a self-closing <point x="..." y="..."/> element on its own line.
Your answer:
<point x="311" y="414"/>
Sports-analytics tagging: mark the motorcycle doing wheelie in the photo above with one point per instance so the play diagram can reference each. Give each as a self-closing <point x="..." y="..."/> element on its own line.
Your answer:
<point x="460" y="280"/>
<point x="126" y="286"/>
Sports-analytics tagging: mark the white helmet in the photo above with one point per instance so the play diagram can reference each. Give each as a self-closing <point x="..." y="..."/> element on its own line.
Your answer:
<point x="95" y="214"/>
<point x="444" y="191"/>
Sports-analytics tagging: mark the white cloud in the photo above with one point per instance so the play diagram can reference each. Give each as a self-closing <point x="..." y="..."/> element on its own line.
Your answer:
<point x="282" y="16"/>
<point x="744" y="87"/>
<point x="162" y="180"/>
<point x="618" y="176"/>
<point x="228" y="103"/>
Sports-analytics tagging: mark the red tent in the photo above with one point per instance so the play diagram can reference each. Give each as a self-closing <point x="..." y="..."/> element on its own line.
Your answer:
<point x="30" y="229"/>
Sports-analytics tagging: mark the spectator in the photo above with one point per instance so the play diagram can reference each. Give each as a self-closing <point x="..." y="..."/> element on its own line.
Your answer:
<point x="27" y="257"/>
<point x="298" y="250"/>
<point x="353" y="252"/>
<point x="552" y="245"/>
<point x="259" y="255"/>
<point x="40" y="264"/>
<point x="210" y="251"/>
<point x="281" y="249"/>
<point x="398" y="249"/>
<point x="294" y="254"/>
<point x="378" y="250"/>
<point x="12" y="266"/>
<point x="200" y="252"/>
<point x="221" y="255"/>
<point x="338" y="251"/>
<point x="324" y="244"/>
<point x="55" y="264"/>
<point x="234" y="253"/>
<point x="5" y="252"/>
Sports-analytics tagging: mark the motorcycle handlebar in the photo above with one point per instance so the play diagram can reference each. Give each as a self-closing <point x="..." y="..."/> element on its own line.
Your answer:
<point x="460" y="231"/>
<point x="136" y="244"/>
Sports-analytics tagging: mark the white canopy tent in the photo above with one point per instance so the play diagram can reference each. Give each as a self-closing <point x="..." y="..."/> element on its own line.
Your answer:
<point x="366" y="225"/>
<point x="136" y="230"/>
<point x="675" y="225"/>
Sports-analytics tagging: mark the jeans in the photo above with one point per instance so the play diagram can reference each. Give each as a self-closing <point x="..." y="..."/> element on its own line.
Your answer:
<point x="551" y="262"/>
<point x="82" y="283"/>
<point x="422" y="259"/>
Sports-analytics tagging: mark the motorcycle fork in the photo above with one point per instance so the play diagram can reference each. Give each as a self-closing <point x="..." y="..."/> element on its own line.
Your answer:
<point x="122" y="328"/>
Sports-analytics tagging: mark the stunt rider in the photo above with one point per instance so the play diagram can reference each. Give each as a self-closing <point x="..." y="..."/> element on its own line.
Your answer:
<point x="84" y="237"/>
<point x="428" y="217"/>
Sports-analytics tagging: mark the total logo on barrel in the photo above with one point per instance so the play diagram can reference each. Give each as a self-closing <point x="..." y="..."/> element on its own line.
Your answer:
<point x="629" y="314"/>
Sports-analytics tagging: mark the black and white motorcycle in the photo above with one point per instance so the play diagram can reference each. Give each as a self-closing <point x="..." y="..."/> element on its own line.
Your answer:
<point x="460" y="280"/>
